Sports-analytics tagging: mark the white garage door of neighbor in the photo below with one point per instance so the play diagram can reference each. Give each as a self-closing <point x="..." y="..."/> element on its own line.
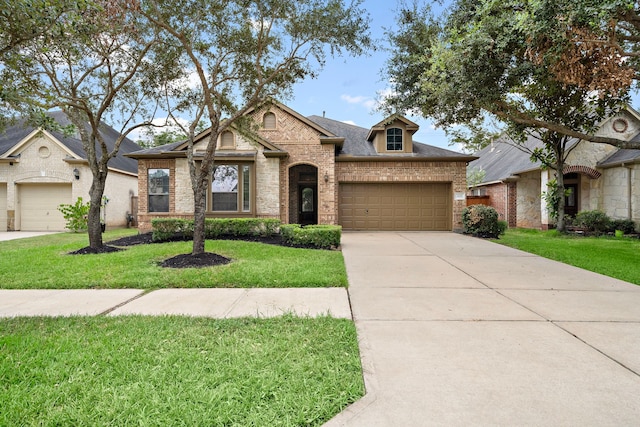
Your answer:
<point x="39" y="206"/>
<point x="3" y="207"/>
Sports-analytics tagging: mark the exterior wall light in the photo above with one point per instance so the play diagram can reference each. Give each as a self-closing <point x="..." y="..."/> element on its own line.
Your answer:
<point x="326" y="177"/>
<point x="76" y="173"/>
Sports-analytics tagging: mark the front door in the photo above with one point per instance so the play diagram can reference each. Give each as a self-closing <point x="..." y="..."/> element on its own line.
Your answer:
<point x="571" y="200"/>
<point x="308" y="204"/>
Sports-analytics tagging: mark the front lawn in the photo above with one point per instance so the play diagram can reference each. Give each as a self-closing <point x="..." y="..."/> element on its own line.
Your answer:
<point x="162" y="371"/>
<point x="44" y="263"/>
<point x="613" y="257"/>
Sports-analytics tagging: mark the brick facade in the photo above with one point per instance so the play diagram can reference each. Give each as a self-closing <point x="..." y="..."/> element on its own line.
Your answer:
<point x="277" y="178"/>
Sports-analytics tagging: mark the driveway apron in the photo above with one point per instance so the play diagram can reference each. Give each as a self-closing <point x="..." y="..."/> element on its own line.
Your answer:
<point x="459" y="331"/>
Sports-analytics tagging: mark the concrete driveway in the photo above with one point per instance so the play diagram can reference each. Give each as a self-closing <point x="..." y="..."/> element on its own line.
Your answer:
<point x="13" y="235"/>
<point x="458" y="331"/>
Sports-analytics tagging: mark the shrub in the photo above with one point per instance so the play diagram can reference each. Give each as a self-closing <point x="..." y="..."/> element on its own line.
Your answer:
<point x="167" y="228"/>
<point x="482" y="221"/>
<point x="76" y="215"/>
<point x="319" y="236"/>
<point x="594" y="221"/>
<point x="627" y="226"/>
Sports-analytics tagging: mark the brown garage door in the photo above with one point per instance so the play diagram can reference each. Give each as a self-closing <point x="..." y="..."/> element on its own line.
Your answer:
<point x="415" y="206"/>
<point x="39" y="206"/>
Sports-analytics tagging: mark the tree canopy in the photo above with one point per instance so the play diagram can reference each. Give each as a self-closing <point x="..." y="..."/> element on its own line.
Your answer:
<point x="490" y="57"/>
<point x="240" y="55"/>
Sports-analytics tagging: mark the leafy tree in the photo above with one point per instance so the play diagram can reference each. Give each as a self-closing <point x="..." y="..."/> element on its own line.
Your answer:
<point x="96" y="63"/>
<point x="476" y="61"/>
<point x="245" y="53"/>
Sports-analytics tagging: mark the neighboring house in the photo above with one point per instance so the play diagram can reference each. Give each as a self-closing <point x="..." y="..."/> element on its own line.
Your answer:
<point x="40" y="169"/>
<point x="598" y="176"/>
<point x="313" y="170"/>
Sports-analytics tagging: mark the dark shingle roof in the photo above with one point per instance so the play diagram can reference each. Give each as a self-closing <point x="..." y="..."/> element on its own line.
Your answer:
<point x="623" y="155"/>
<point x="15" y="133"/>
<point x="356" y="144"/>
<point x="502" y="159"/>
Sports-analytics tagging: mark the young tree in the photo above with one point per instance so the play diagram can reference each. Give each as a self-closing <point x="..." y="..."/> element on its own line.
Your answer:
<point x="95" y="64"/>
<point x="243" y="54"/>
<point x="476" y="61"/>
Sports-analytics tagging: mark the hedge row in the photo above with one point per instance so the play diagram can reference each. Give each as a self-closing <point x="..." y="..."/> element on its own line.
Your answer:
<point x="167" y="228"/>
<point x="319" y="236"/>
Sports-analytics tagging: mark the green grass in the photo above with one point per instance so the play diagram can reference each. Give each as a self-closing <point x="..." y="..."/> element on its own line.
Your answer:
<point x="613" y="257"/>
<point x="44" y="263"/>
<point x="161" y="371"/>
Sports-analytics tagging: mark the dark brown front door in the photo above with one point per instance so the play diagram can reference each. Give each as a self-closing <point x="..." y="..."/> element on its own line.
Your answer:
<point x="571" y="200"/>
<point x="308" y="204"/>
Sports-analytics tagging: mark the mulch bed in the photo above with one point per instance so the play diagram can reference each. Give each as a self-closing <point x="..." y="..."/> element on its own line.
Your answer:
<point x="207" y="259"/>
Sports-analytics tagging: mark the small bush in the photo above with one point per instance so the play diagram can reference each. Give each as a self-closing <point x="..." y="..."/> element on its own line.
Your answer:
<point x="319" y="236"/>
<point x="594" y="221"/>
<point x="76" y="215"/>
<point x="166" y="228"/>
<point x="482" y="221"/>
<point x="627" y="226"/>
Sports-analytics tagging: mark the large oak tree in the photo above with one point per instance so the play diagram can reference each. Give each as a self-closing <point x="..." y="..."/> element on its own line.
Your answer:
<point x="477" y="60"/>
<point x="97" y="64"/>
<point x="244" y="53"/>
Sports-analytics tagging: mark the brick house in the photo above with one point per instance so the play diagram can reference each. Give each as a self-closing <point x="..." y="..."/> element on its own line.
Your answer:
<point x="41" y="169"/>
<point x="313" y="170"/>
<point x="598" y="176"/>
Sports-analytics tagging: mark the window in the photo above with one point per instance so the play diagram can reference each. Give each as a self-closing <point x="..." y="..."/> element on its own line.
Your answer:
<point x="231" y="189"/>
<point x="269" y="121"/>
<point x="227" y="140"/>
<point x="158" y="180"/>
<point x="394" y="139"/>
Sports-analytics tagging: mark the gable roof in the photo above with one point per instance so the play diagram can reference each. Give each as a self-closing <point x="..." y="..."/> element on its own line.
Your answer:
<point x="16" y="134"/>
<point x="380" y="126"/>
<point x="622" y="156"/>
<point x="502" y="159"/>
<point x="357" y="145"/>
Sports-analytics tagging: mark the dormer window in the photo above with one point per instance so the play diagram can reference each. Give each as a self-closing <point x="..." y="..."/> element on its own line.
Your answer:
<point x="269" y="121"/>
<point x="394" y="139"/>
<point x="227" y="140"/>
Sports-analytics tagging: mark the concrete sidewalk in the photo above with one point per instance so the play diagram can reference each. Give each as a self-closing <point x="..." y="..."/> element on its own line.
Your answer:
<point x="457" y="331"/>
<point x="218" y="303"/>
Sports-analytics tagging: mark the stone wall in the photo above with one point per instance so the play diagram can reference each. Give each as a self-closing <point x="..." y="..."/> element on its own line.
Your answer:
<point x="616" y="200"/>
<point x="529" y="201"/>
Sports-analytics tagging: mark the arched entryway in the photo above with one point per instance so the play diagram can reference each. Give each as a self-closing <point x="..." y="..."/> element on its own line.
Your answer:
<point x="577" y="187"/>
<point x="303" y="194"/>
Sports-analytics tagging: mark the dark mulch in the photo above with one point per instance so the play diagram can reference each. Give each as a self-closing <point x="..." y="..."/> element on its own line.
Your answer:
<point x="102" y="250"/>
<point x="206" y="259"/>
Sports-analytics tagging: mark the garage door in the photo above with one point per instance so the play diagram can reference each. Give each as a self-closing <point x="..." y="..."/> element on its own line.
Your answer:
<point x="417" y="206"/>
<point x="3" y="207"/>
<point x="39" y="206"/>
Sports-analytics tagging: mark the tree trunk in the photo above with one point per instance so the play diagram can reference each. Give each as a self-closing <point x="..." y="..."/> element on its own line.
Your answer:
<point x="560" y="226"/>
<point x="200" y="198"/>
<point x="94" y="226"/>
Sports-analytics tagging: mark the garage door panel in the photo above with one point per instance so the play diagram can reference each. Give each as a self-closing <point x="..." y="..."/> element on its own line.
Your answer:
<point x="39" y="206"/>
<point x="395" y="206"/>
<point x="3" y="207"/>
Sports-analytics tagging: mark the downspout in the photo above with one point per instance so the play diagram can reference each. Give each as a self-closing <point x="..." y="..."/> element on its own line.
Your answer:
<point x="629" y="192"/>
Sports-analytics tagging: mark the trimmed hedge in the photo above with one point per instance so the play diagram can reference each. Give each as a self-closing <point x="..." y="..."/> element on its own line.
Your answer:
<point x="482" y="221"/>
<point x="319" y="236"/>
<point x="167" y="228"/>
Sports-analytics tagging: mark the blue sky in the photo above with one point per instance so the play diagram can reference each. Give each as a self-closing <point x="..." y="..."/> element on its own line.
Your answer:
<point x="347" y="87"/>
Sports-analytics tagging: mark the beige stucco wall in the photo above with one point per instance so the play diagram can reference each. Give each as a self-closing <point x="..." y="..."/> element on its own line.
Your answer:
<point x="616" y="200"/>
<point x="43" y="160"/>
<point x="529" y="200"/>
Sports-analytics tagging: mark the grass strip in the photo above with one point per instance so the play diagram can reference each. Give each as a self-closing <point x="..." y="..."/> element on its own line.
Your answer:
<point x="44" y="263"/>
<point x="610" y="256"/>
<point x="159" y="371"/>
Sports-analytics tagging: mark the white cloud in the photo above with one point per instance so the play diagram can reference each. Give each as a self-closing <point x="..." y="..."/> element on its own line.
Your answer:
<point x="365" y="101"/>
